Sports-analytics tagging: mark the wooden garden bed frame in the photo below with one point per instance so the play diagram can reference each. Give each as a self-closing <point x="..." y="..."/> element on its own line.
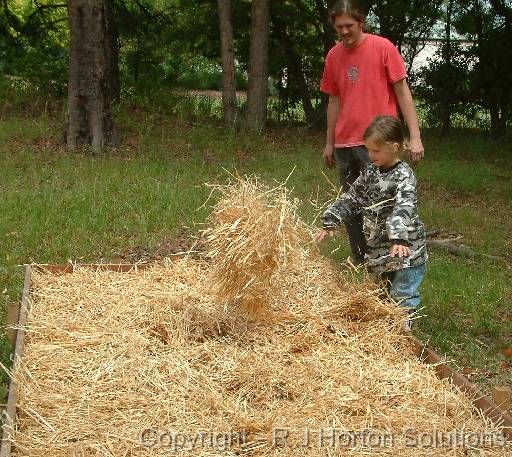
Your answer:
<point x="19" y="316"/>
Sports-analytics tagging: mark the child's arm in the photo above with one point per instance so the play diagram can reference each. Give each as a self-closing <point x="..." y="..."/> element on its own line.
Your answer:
<point x="335" y="214"/>
<point x="399" y="221"/>
<point x="349" y="203"/>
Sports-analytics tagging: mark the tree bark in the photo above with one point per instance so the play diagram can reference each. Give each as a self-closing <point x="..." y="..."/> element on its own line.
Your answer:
<point x="91" y="74"/>
<point x="228" y="63"/>
<point x="295" y="68"/>
<point x="498" y="125"/>
<point x="446" y="110"/>
<point x="258" y="66"/>
<point x="329" y="34"/>
<point x="112" y="50"/>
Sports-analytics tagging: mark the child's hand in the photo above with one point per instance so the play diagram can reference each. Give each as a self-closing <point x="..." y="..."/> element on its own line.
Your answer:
<point x="399" y="250"/>
<point x="319" y="237"/>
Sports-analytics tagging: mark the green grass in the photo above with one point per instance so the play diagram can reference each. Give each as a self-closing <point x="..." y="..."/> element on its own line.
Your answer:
<point x="58" y="206"/>
<point x="465" y="191"/>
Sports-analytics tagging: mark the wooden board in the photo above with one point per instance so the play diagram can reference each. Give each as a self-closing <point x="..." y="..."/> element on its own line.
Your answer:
<point x="10" y="411"/>
<point x="481" y="401"/>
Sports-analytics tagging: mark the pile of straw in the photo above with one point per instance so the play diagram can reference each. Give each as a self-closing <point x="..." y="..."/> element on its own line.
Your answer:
<point x="254" y="233"/>
<point x="152" y="363"/>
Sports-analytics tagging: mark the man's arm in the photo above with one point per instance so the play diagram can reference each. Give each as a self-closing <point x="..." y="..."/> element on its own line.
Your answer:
<point x="406" y="103"/>
<point x="332" y="115"/>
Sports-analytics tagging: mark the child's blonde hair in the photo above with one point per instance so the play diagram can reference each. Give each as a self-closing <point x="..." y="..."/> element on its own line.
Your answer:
<point x="387" y="129"/>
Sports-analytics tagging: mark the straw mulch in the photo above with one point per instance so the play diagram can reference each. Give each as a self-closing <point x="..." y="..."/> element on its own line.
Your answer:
<point x="254" y="233"/>
<point x="111" y="355"/>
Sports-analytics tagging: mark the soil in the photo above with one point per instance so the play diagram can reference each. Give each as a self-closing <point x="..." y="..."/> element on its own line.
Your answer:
<point x="170" y="247"/>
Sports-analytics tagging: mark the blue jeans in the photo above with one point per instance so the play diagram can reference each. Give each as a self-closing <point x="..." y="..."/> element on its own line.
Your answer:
<point x="350" y="162"/>
<point x="404" y="285"/>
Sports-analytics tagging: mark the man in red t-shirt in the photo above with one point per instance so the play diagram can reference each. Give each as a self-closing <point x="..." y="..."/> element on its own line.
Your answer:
<point x="364" y="76"/>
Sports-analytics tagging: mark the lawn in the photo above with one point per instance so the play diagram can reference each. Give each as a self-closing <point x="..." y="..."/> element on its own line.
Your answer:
<point x="59" y="206"/>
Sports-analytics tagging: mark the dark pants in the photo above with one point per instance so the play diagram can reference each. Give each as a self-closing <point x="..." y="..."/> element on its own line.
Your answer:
<point x="350" y="162"/>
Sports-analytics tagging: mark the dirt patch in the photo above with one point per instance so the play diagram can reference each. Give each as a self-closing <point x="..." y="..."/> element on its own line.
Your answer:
<point x="168" y="248"/>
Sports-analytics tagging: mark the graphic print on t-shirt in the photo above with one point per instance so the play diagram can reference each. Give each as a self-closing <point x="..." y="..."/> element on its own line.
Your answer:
<point x="353" y="74"/>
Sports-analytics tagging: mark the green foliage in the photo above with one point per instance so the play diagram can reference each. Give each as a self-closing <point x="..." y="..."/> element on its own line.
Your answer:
<point x="19" y="96"/>
<point x="445" y="86"/>
<point x="167" y="43"/>
<point x="46" y="67"/>
<point x="34" y="45"/>
<point x="160" y="45"/>
<point x="404" y="21"/>
<point x="146" y="41"/>
<point x="201" y="73"/>
<point x="460" y="82"/>
<point x="297" y="57"/>
<point x="490" y="83"/>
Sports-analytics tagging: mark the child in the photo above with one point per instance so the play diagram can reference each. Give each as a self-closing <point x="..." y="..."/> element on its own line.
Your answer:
<point x="385" y="194"/>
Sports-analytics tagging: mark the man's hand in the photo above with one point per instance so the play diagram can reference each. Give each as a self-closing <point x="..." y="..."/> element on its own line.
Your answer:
<point x="329" y="156"/>
<point x="319" y="237"/>
<point x="406" y="104"/>
<point x="417" y="150"/>
<point x="399" y="250"/>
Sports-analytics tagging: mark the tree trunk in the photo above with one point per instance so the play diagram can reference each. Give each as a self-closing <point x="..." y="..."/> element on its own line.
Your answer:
<point x="329" y="34"/>
<point x="446" y="109"/>
<point x="497" y="121"/>
<point x="228" y="63"/>
<point x="295" y="68"/>
<point x="505" y="116"/>
<point x="91" y="80"/>
<point x="112" y="50"/>
<point x="136" y="61"/>
<point x="305" y="96"/>
<point x="258" y="66"/>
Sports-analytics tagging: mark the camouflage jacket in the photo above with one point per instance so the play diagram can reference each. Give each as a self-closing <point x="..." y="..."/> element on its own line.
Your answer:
<point x="387" y="199"/>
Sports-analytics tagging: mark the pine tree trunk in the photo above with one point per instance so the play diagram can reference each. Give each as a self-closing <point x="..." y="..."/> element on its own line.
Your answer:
<point x="228" y="63"/>
<point x="258" y="66"/>
<point x="329" y="33"/>
<point x="296" y="70"/>
<point x="446" y="109"/>
<point x="91" y="80"/>
<point x="112" y="50"/>
<point x="498" y="126"/>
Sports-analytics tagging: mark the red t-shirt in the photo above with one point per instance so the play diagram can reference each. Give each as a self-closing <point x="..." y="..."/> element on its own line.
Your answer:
<point x="362" y="77"/>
